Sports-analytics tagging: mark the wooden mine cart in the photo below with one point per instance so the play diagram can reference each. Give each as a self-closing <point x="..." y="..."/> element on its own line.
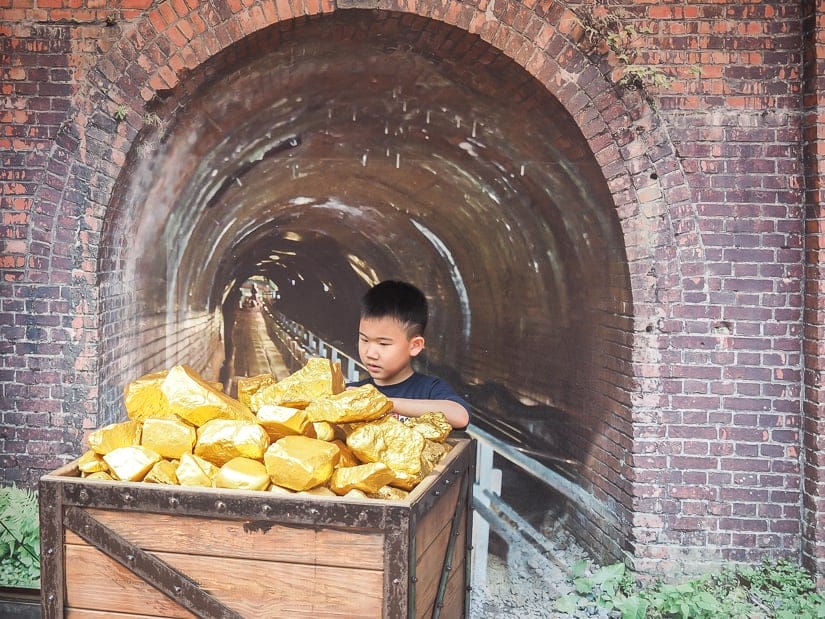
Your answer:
<point x="123" y="549"/>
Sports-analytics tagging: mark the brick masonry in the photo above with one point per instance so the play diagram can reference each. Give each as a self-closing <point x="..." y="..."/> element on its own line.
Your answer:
<point x="716" y="448"/>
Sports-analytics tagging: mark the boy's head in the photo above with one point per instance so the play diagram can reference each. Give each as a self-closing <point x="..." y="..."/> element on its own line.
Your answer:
<point x="399" y="300"/>
<point x="391" y="331"/>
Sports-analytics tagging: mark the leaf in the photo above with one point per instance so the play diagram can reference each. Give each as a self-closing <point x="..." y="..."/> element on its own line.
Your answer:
<point x="578" y="568"/>
<point x="632" y="607"/>
<point x="567" y="604"/>
<point x="609" y="573"/>
<point x="583" y="585"/>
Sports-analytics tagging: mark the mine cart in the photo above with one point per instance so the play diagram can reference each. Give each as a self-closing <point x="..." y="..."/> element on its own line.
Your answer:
<point x="124" y="549"/>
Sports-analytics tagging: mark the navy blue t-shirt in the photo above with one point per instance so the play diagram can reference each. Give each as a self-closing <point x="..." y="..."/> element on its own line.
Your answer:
<point x="417" y="387"/>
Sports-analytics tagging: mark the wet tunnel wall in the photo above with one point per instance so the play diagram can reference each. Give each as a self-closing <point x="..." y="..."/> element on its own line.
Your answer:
<point x="626" y="263"/>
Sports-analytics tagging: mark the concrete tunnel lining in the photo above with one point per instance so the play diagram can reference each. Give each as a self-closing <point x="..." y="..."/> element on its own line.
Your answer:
<point x="440" y="164"/>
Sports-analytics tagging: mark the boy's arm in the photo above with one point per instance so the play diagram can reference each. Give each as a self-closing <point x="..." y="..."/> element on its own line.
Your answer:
<point x="456" y="414"/>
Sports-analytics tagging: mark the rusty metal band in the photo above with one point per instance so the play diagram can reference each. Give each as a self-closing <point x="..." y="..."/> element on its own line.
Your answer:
<point x="158" y="573"/>
<point x="448" y="557"/>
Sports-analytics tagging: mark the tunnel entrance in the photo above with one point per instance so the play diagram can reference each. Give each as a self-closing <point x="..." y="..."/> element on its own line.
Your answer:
<point x="324" y="155"/>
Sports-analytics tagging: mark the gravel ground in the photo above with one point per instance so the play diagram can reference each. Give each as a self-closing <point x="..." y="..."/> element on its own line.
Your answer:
<point x="522" y="582"/>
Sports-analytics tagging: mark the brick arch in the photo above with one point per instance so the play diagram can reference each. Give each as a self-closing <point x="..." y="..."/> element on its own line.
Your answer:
<point x="159" y="56"/>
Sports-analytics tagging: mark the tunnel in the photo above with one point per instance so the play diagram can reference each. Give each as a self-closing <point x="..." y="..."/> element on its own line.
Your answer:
<point x="324" y="155"/>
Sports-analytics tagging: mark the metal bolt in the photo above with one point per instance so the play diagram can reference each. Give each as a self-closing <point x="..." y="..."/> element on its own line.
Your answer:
<point x="173" y="501"/>
<point x="414" y="579"/>
<point x="437" y="493"/>
<point x="177" y="589"/>
<point x="50" y="551"/>
<point x="130" y="557"/>
<point x="84" y="496"/>
<point x="128" y="498"/>
<point x="267" y="509"/>
<point x="220" y="506"/>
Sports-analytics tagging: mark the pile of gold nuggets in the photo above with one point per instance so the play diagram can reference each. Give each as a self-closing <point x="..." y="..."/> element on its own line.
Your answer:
<point x="306" y="434"/>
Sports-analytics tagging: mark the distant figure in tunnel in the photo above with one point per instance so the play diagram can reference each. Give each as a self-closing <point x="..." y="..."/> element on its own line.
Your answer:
<point x="390" y="333"/>
<point x="253" y="291"/>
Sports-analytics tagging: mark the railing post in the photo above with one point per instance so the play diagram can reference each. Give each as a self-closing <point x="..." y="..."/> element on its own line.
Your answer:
<point x="487" y="478"/>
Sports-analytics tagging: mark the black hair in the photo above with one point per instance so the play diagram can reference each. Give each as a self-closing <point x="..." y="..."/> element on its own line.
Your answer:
<point x="399" y="300"/>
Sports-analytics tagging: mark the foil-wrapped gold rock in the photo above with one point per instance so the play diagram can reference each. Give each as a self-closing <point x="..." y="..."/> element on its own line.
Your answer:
<point x="163" y="472"/>
<point x="280" y="490"/>
<point x="280" y="421"/>
<point x="347" y="457"/>
<point x="391" y="442"/>
<point x="169" y="437"/>
<point x="197" y="401"/>
<point x="433" y="453"/>
<point x="363" y="403"/>
<point x="195" y="471"/>
<point x="242" y="474"/>
<point x="318" y="491"/>
<point x="433" y="426"/>
<point x="91" y="462"/>
<point x="249" y="386"/>
<point x="318" y="378"/>
<point x="365" y="477"/>
<point x="143" y="398"/>
<point x="100" y="475"/>
<point x="115" y="435"/>
<point x="220" y="440"/>
<point x="300" y="463"/>
<point x="389" y="493"/>
<point x="324" y="431"/>
<point x="130" y="463"/>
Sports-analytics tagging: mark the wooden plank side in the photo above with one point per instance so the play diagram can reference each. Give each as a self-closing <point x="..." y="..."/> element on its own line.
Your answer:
<point x="429" y="527"/>
<point x="455" y="599"/>
<point x="84" y="613"/>
<point x="253" y="588"/>
<point x="244" y="540"/>
<point x="431" y="564"/>
<point x="95" y="581"/>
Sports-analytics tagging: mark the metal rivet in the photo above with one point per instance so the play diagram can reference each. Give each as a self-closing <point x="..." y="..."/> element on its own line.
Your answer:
<point x="177" y="589"/>
<point x="128" y="498"/>
<point x="173" y="501"/>
<point x="267" y="509"/>
<point x="84" y="496"/>
<point x="414" y="579"/>
<point x="437" y="493"/>
<point x="130" y="557"/>
<point x="220" y="506"/>
<point x="50" y="551"/>
<point x="51" y="597"/>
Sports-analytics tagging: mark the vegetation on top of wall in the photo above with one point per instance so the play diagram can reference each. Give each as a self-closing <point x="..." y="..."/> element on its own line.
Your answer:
<point x="19" y="538"/>
<point x="771" y="590"/>
<point x="610" y="30"/>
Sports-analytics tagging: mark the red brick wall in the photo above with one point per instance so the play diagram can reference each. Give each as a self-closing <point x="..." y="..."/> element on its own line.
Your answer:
<point x="703" y="460"/>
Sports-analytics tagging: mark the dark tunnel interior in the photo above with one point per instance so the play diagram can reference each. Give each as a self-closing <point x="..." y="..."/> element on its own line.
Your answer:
<point x="366" y="145"/>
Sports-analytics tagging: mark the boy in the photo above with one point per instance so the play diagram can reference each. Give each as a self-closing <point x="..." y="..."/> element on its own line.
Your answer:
<point x="390" y="334"/>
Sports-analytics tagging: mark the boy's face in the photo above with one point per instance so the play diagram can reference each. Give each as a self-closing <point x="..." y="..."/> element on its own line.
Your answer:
<point x="385" y="349"/>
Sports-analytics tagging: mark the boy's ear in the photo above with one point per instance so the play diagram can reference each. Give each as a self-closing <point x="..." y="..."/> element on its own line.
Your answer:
<point x="416" y="345"/>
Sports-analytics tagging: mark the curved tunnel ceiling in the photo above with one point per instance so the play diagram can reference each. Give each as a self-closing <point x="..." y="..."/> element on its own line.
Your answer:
<point x="356" y="150"/>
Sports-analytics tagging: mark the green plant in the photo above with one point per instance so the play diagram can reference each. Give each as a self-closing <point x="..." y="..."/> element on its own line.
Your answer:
<point x="120" y="113"/>
<point x="608" y="31"/>
<point x="19" y="538"/>
<point x="772" y="590"/>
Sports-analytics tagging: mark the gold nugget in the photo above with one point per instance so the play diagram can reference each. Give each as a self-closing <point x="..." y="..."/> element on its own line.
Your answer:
<point x="197" y="401"/>
<point x="143" y="398"/>
<point x="243" y="474"/>
<point x="169" y="437"/>
<point x="300" y="463"/>
<point x="195" y="471"/>
<point x="114" y="436"/>
<point x="220" y="440"/>
<point x="318" y="378"/>
<point x="131" y="463"/>
<point x="391" y="442"/>
<point x="363" y="403"/>
<point x="364" y="477"/>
